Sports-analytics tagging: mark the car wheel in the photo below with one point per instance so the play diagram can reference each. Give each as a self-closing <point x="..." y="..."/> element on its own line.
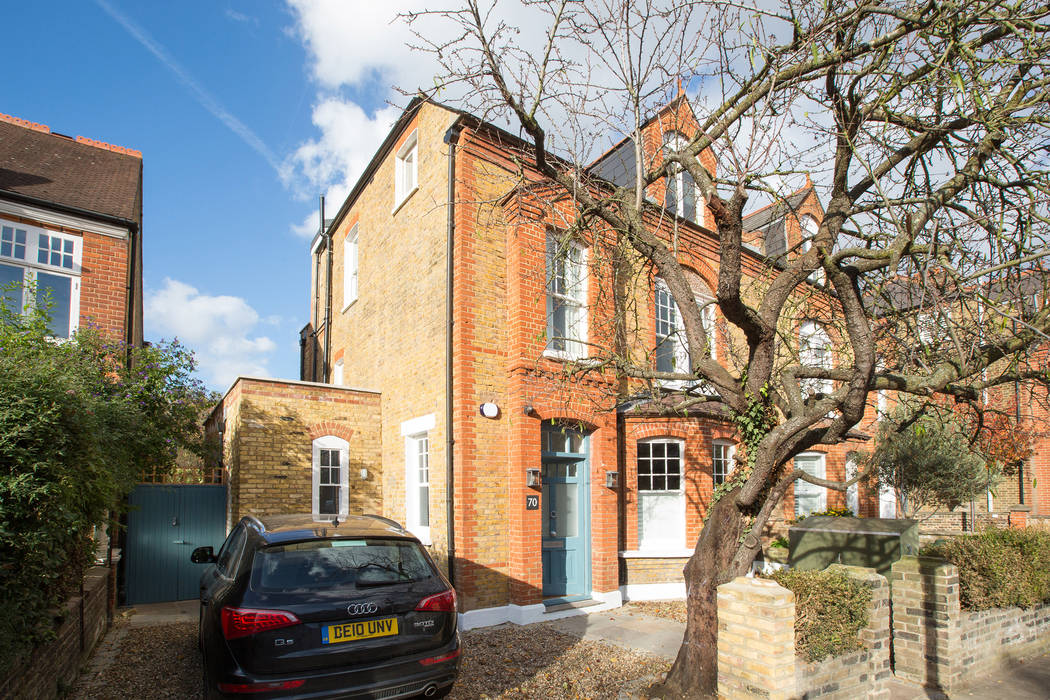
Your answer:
<point x="200" y="630"/>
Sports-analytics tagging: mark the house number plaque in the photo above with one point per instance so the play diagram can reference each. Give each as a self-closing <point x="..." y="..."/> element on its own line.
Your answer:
<point x="532" y="502"/>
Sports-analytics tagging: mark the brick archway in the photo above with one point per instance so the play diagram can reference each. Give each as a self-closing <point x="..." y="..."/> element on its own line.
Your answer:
<point x="330" y="428"/>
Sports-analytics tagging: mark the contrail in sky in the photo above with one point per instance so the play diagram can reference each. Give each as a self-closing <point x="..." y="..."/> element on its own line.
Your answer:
<point x="202" y="96"/>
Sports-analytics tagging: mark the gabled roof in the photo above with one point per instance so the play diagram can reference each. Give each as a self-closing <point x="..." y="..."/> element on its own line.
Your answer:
<point x="80" y="174"/>
<point x="774" y="213"/>
<point x="617" y="165"/>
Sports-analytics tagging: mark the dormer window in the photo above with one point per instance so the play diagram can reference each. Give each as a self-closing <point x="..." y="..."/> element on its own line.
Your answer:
<point x="681" y="194"/>
<point x="809" y="231"/>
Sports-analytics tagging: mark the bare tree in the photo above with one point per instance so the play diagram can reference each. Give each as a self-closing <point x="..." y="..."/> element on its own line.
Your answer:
<point x="924" y="125"/>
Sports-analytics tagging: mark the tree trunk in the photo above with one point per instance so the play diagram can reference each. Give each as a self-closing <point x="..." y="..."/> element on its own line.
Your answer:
<point x="695" y="671"/>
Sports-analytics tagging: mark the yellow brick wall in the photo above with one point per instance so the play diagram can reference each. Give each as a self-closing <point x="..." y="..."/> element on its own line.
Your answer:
<point x="268" y="444"/>
<point x="664" y="570"/>
<point x="393" y="336"/>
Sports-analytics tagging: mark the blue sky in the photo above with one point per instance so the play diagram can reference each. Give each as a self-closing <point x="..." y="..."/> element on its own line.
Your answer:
<point x="244" y="112"/>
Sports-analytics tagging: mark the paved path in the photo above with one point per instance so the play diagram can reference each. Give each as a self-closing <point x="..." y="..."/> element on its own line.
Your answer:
<point x="632" y="630"/>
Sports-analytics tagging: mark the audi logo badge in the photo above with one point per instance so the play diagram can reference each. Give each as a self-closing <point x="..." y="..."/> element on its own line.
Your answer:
<point x="362" y="609"/>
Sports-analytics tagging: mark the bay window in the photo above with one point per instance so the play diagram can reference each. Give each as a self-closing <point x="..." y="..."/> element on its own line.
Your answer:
<point x="41" y="268"/>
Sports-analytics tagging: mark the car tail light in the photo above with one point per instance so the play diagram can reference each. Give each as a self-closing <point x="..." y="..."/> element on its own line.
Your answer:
<point x="442" y="602"/>
<point x="258" y="687"/>
<point x="438" y="659"/>
<point x="241" y="622"/>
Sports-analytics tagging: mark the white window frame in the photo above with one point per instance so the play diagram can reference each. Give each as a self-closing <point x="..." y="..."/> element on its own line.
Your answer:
<point x="852" y="492"/>
<point x="729" y="452"/>
<point x="573" y="258"/>
<point x="668" y="504"/>
<point x="331" y="442"/>
<point x="814" y="350"/>
<point x="31" y="266"/>
<point x="809" y="228"/>
<point x="350" y="267"/>
<point x="820" y="471"/>
<point x="673" y="141"/>
<point x="337" y="373"/>
<point x="417" y="461"/>
<point x="406" y="170"/>
<point x="680" y="342"/>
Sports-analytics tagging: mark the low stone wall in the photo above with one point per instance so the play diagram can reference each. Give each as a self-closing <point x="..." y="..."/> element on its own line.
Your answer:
<point x="756" y="645"/>
<point x="937" y="644"/>
<point x="53" y="667"/>
<point x="645" y="577"/>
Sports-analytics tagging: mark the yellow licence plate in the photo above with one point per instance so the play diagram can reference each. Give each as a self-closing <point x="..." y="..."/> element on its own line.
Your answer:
<point x="365" y="629"/>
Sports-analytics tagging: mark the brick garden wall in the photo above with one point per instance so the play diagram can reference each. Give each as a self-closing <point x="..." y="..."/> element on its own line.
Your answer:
<point x="936" y="643"/>
<point x="756" y="645"/>
<point x="54" y="667"/>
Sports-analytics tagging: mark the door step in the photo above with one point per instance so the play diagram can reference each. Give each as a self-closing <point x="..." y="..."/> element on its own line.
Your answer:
<point x="574" y="605"/>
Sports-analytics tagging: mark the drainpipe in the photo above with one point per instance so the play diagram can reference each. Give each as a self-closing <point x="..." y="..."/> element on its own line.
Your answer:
<point x="451" y="138"/>
<point x="325" y="373"/>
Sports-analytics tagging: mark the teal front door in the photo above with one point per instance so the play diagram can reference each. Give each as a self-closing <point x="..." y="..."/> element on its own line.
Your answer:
<point x="566" y="514"/>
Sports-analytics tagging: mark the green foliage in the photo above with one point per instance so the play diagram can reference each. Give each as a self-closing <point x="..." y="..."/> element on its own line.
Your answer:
<point x="999" y="568"/>
<point x="830" y="611"/>
<point x="928" y="462"/>
<point x="780" y="543"/>
<point x="77" y="427"/>
<point x="843" y="512"/>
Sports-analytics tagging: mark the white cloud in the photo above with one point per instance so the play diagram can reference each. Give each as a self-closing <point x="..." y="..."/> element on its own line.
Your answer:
<point x="352" y="42"/>
<point x="219" y="329"/>
<point x="333" y="162"/>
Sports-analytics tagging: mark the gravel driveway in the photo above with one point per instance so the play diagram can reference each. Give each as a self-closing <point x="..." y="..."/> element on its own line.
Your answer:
<point x="500" y="662"/>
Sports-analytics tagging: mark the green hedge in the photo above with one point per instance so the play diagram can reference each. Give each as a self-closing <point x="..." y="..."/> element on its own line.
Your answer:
<point x="830" y="611"/>
<point x="999" y="568"/>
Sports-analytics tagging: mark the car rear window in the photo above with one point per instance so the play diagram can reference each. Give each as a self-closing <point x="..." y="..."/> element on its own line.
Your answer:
<point x="337" y="563"/>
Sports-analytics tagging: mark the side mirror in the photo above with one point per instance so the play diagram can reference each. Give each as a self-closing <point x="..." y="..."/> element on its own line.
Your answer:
<point x="203" y="555"/>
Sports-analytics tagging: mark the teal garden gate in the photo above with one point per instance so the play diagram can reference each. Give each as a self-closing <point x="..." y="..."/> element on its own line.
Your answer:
<point x="165" y="524"/>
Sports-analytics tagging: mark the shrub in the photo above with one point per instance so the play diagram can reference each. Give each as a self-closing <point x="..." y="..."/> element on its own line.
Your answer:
<point x="999" y="568"/>
<point x="830" y="611"/>
<point x="77" y="428"/>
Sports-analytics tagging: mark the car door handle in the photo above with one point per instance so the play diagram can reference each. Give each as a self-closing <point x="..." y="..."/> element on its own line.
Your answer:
<point x="180" y="542"/>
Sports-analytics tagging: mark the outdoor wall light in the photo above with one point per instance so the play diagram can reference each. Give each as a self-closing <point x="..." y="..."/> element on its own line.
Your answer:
<point x="489" y="410"/>
<point x="528" y="410"/>
<point x="532" y="477"/>
<point x="612" y="480"/>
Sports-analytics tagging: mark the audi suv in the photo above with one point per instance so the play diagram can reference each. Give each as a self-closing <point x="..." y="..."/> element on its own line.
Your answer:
<point x="353" y="608"/>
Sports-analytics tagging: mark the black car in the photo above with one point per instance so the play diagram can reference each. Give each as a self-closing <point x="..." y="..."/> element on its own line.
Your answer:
<point x="344" y="609"/>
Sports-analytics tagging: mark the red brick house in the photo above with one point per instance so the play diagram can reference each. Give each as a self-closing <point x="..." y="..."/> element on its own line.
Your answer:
<point x="71" y="226"/>
<point x="442" y="306"/>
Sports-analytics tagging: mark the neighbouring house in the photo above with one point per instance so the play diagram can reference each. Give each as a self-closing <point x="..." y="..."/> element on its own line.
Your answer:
<point x="433" y="390"/>
<point x="71" y="228"/>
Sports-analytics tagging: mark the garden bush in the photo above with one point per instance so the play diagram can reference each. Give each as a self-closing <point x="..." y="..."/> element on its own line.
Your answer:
<point x="999" y="568"/>
<point x="830" y="611"/>
<point x="78" y="425"/>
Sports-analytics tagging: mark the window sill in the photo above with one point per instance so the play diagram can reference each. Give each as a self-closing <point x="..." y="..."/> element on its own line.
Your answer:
<point x="400" y="203"/>
<point x="349" y="304"/>
<point x="563" y="356"/>
<point x="656" y="554"/>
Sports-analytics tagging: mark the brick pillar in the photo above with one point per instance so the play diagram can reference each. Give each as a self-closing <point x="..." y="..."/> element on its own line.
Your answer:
<point x="756" y="640"/>
<point x="1019" y="516"/>
<point x="925" y="597"/>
